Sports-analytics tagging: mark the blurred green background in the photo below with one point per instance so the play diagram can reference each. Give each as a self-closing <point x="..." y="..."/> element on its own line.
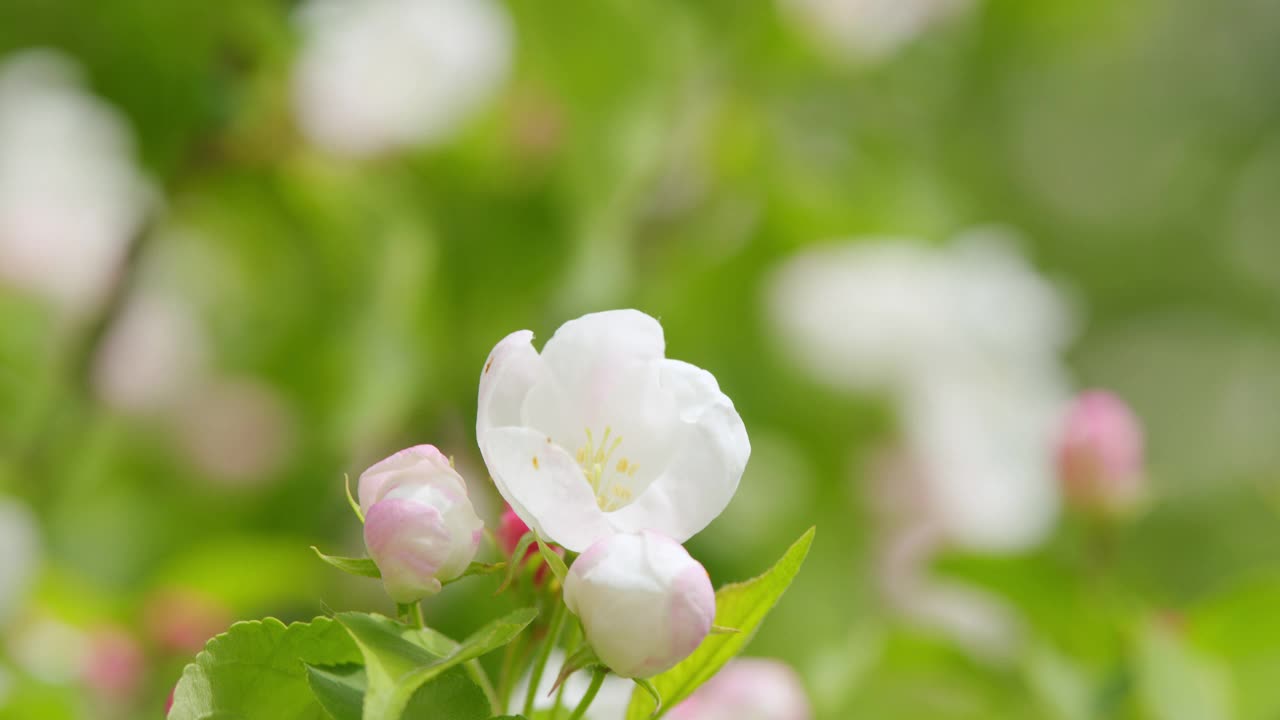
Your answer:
<point x="667" y="156"/>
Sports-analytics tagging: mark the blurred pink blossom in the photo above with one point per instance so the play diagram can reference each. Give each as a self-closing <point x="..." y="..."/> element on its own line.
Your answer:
<point x="71" y="198"/>
<point x="181" y="621"/>
<point x="1101" y="459"/>
<point x="236" y="430"/>
<point x="114" y="664"/>
<point x="748" y="689"/>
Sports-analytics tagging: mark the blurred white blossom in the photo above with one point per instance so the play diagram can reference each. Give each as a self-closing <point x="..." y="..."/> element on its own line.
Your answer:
<point x="965" y="339"/>
<point x="19" y="555"/>
<point x="610" y="703"/>
<point x="71" y="197"/>
<point x="909" y="536"/>
<point x="377" y="75"/>
<point x="748" y="689"/>
<point x="872" y="29"/>
<point x="152" y="355"/>
<point x="235" y="430"/>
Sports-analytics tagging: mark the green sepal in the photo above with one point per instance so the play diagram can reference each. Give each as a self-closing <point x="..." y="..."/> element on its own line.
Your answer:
<point x="653" y="693"/>
<point x="516" y="561"/>
<point x="355" y="506"/>
<point x="364" y="567"/>
<point x="581" y="660"/>
<point x="554" y="561"/>
<point x="478" y="568"/>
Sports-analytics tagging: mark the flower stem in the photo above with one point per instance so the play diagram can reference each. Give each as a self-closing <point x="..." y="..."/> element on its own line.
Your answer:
<point x="540" y="664"/>
<point x="511" y="660"/>
<point x="596" y="681"/>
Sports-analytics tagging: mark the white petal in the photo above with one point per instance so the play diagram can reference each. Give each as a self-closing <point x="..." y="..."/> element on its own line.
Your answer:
<point x="584" y="354"/>
<point x="416" y="464"/>
<point x="508" y="374"/>
<point x="706" y="465"/>
<point x="986" y="443"/>
<point x="544" y="485"/>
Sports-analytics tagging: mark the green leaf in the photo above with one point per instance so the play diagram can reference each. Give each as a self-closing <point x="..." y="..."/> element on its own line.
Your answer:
<point x="452" y="696"/>
<point x="554" y="561"/>
<point x="400" y="659"/>
<point x="340" y="689"/>
<point x="364" y="567"/>
<point x="741" y="605"/>
<point x="1174" y="682"/>
<point x="256" y="670"/>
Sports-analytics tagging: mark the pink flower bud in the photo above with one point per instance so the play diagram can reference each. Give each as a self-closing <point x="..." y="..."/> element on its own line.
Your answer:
<point x="644" y="603"/>
<point x="748" y="689"/>
<point x="420" y="527"/>
<point x="1100" y="459"/>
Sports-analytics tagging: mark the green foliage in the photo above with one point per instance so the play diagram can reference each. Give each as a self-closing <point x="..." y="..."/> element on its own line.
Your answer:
<point x="1063" y="688"/>
<point x="399" y="660"/>
<point x="257" y="671"/>
<point x="340" y="689"/>
<point x="1177" y="683"/>
<point x="742" y="606"/>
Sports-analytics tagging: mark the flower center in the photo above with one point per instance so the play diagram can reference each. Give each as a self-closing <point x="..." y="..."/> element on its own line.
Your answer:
<point x="608" y="480"/>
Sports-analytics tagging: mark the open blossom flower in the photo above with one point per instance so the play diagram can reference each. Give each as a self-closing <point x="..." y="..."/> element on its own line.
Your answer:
<point x="1100" y="459"/>
<point x="377" y="75"/>
<point x="748" y="689"/>
<point x="602" y="434"/>
<point x="644" y="603"/>
<point x="419" y="526"/>
<point x="71" y="196"/>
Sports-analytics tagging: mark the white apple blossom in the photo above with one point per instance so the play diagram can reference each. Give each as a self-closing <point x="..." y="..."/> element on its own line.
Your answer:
<point x="966" y="340"/>
<point x="644" y="602"/>
<point x="748" y="689"/>
<point x="378" y="75"/>
<point x="71" y="197"/>
<point x="420" y="527"/>
<point x="602" y="434"/>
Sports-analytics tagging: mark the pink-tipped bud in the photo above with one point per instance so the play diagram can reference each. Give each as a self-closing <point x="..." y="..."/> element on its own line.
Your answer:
<point x="748" y="689"/>
<point x="1101" y="456"/>
<point x="420" y="527"/>
<point x="644" y="603"/>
